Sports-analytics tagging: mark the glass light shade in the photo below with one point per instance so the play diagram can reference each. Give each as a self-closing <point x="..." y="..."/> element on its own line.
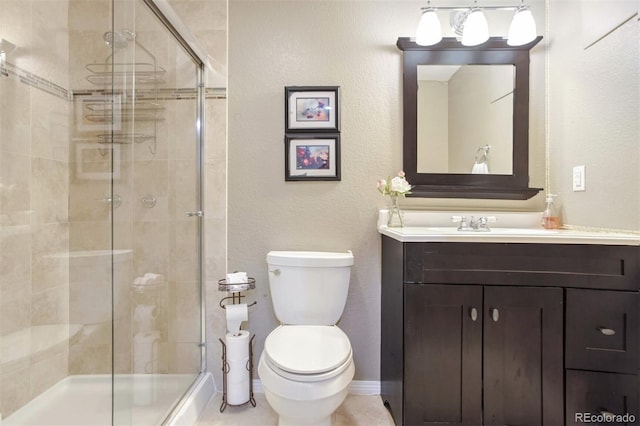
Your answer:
<point x="429" y="31"/>
<point x="476" y="29"/>
<point x="522" y="29"/>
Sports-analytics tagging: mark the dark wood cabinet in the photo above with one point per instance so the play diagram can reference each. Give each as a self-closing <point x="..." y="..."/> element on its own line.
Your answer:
<point x="487" y="334"/>
<point x="443" y="351"/>
<point x="522" y="356"/>
<point x="458" y="337"/>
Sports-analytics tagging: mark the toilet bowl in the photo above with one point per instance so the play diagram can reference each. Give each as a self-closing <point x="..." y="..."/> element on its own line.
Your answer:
<point x="307" y="362"/>
<point x="306" y="382"/>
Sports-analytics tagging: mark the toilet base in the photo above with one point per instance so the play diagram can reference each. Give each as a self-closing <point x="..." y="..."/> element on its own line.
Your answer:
<point x="307" y="413"/>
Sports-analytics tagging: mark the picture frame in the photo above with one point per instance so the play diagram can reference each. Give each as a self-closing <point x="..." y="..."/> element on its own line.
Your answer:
<point x="312" y="108"/>
<point x="96" y="162"/>
<point x="311" y="157"/>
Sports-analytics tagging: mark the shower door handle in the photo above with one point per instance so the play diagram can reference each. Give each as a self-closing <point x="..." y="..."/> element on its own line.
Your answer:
<point x="198" y="213"/>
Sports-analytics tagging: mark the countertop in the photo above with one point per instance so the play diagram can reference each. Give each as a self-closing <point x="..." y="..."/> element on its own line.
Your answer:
<point x="509" y="227"/>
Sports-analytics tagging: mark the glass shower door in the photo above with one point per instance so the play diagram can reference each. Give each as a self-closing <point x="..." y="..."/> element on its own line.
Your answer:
<point x="156" y="173"/>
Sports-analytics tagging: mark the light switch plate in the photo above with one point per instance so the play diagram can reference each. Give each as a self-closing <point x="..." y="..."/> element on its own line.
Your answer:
<point x="579" y="179"/>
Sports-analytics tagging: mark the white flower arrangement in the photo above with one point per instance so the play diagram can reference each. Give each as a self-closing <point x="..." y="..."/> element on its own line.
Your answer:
<point x="396" y="187"/>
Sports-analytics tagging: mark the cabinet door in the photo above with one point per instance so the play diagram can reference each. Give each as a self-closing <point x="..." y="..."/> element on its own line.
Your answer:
<point x="523" y="377"/>
<point x="443" y="355"/>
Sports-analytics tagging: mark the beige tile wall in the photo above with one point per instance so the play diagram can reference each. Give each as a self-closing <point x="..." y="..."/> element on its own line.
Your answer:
<point x="34" y="216"/>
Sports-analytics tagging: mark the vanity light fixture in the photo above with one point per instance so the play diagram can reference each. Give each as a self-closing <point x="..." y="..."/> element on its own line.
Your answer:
<point x="471" y="24"/>
<point x="476" y="29"/>
<point x="428" y="32"/>
<point x="523" y="27"/>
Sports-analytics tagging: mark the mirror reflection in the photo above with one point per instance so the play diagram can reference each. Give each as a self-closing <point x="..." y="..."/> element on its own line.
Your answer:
<point x="465" y="119"/>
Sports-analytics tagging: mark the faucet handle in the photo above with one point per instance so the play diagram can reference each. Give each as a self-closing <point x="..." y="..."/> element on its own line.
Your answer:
<point x="483" y="222"/>
<point x="487" y="219"/>
<point x="462" y="220"/>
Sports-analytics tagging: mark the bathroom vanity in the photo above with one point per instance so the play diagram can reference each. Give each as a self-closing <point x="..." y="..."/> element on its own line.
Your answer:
<point x="513" y="326"/>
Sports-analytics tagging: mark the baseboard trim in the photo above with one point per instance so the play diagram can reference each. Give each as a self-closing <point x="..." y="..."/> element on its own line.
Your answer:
<point x="357" y="387"/>
<point x="364" y="387"/>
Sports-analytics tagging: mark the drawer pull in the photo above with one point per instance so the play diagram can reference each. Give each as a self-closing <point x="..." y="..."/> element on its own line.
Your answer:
<point x="495" y="315"/>
<point x="607" y="331"/>
<point x="473" y="313"/>
<point x="608" y="415"/>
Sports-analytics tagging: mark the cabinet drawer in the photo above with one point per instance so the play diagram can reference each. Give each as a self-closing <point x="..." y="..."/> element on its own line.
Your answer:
<point x="556" y="265"/>
<point x="602" y="330"/>
<point x="592" y="394"/>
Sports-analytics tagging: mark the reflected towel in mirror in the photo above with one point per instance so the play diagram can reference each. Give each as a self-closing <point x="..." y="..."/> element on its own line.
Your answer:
<point x="480" y="169"/>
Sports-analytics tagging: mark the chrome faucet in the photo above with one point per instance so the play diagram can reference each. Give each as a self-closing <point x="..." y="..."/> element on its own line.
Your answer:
<point x="479" y="225"/>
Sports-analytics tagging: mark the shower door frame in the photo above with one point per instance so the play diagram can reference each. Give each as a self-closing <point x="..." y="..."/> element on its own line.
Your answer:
<point x="200" y="114"/>
<point x="198" y="209"/>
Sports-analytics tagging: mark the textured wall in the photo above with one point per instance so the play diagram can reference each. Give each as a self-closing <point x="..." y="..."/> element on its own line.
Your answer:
<point x="594" y="120"/>
<point x="351" y="44"/>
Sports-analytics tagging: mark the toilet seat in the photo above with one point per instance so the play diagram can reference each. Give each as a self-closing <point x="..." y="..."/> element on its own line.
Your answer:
<point x="307" y="352"/>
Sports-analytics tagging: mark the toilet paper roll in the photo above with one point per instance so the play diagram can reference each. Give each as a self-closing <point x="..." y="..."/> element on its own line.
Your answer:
<point x="145" y="362"/>
<point x="235" y="315"/>
<point x="144" y="318"/>
<point x="238" y="375"/>
<point x="145" y="352"/>
<point x="143" y="312"/>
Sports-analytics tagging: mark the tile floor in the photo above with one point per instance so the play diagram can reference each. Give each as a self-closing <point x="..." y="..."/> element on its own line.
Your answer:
<point x="357" y="410"/>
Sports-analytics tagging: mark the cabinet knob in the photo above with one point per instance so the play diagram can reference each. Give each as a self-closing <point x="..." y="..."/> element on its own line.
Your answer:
<point x="473" y="313"/>
<point x="606" y="331"/>
<point x="495" y="315"/>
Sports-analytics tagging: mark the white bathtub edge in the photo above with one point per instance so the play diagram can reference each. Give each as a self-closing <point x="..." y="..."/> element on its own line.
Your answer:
<point x="194" y="402"/>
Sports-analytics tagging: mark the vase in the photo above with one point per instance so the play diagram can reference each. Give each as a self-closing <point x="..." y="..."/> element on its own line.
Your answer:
<point x="394" y="218"/>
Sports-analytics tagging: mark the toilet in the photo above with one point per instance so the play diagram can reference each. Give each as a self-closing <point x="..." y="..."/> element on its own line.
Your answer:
<point x="307" y="363"/>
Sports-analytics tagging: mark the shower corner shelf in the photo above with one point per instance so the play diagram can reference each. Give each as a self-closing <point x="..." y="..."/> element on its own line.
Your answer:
<point x="224" y="286"/>
<point x="140" y="104"/>
<point x="122" y="138"/>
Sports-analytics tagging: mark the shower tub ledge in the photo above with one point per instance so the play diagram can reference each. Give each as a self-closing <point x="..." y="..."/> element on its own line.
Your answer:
<point x="86" y="400"/>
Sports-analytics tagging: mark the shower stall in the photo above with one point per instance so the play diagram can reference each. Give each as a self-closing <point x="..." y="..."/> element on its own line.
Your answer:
<point x="101" y="312"/>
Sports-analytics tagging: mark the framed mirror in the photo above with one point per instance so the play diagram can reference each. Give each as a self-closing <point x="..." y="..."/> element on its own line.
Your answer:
<point x="466" y="119"/>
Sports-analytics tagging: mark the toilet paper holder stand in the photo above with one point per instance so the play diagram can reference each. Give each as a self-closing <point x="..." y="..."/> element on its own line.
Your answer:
<point x="236" y="298"/>
<point x="225" y="371"/>
<point x="235" y="290"/>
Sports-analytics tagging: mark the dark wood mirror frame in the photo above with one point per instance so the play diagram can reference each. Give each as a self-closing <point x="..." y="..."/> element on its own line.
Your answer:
<point x="452" y="185"/>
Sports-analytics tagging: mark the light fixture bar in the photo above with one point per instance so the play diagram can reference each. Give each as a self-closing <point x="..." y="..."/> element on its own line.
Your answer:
<point x="470" y="23"/>
<point x="469" y="7"/>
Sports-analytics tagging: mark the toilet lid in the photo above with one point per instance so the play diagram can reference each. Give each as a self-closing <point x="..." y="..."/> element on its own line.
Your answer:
<point x="307" y="349"/>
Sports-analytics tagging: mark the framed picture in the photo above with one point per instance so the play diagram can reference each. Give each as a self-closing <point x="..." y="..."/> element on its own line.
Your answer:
<point x="311" y="108"/>
<point x="97" y="162"/>
<point x="312" y="156"/>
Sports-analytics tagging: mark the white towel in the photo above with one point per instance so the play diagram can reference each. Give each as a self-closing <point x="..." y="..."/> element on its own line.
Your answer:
<point x="480" y="169"/>
<point x="237" y="278"/>
<point x="149" y="279"/>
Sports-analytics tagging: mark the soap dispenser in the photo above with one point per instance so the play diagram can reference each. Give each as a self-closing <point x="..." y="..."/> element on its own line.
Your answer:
<point x="550" y="215"/>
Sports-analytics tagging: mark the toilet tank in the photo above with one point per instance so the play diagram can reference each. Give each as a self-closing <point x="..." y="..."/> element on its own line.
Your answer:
<point x="309" y="288"/>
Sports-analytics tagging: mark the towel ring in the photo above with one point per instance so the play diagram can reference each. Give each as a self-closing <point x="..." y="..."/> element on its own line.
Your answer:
<point x="482" y="154"/>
